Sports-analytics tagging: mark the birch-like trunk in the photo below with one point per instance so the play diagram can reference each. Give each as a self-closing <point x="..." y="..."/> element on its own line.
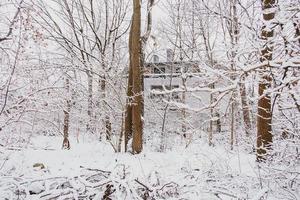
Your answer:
<point x="67" y="110"/>
<point x="90" y="124"/>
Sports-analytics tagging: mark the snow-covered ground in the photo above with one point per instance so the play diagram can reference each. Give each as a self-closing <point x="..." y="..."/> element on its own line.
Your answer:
<point x="90" y="168"/>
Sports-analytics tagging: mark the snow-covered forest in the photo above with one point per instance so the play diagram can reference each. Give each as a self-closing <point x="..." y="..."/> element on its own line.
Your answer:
<point x="150" y="99"/>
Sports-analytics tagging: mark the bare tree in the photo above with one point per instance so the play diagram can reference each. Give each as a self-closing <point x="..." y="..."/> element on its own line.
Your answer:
<point x="3" y="39"/>
<point x="128" y="130"/>
<point x="12" y="22"/>
<point x="92" y="39"/>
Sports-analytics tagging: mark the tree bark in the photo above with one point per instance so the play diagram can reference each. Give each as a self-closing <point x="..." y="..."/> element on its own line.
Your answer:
<point x="106" y="120"/>
<point x="211" y="110"/>
<point x="89" y="126"/>
<point x="137" y="144"/>
<point x="128" y="114"/>
<point x="264" y="118"/>
<point x="66" y="142"/>
<point x="245" y="108"/>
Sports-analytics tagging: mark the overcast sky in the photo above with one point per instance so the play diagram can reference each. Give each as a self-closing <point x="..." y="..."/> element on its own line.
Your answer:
<point x="159" y="13"/>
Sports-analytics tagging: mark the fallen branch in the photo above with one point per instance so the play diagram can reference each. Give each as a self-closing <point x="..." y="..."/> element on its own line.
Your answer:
<point x="146" y="187"/>
<point x="96" y="170"/>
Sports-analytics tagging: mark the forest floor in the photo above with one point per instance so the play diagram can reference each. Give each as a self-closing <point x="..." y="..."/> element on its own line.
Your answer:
<point x="92" y="170"/>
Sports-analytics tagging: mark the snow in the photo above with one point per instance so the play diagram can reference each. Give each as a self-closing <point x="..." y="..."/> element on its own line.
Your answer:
<point x="189" y="172"/>
<point x="176" y="162"/>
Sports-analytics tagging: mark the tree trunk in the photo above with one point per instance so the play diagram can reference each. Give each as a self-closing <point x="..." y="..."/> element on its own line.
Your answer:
<point x="128" y="114"/>
<point x="106" y="119"/>
<point x="89" y="126"/>
<point x="264" y="118"/>
<point x="211" y="122"/>
<point x="232" y="125"/>
<point x="183" y="110"/>
<point x="245" y="108"/>
<point x="66" y="143"/>
<point x="137" y="144"/>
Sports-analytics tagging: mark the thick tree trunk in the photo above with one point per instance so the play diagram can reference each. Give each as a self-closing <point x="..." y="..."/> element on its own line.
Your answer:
<point x="264" y="135"/>
<point x="128" y="114"/>
<point x="264" y="118"/>
<point x="137" y="144"/>
<point x="135" y="103"/>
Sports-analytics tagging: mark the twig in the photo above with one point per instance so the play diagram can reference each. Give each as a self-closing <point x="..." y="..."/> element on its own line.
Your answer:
<point x="146" y="187"/>
<point x="95" y="170"/>
<point x="10" y="29"/>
